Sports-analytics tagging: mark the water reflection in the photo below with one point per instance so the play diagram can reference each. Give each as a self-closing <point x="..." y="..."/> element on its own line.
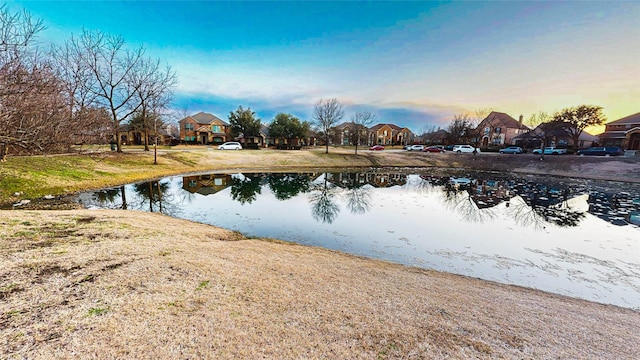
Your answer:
<point x="531" y="202"/>
<point x="575" y="237"/>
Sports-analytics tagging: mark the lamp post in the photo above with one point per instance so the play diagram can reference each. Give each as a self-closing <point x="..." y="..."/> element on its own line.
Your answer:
<point x="155" y="140"/>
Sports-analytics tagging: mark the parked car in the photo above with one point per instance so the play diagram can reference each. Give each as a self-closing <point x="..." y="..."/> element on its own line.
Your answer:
<point x="550" y="151"/>
<point x="407" y="147"/>
<point x="376" y="147"/>
<point x="416" y="148"/>
<point x="464" y="149"/>
<point x="435" y="149"/>
<point x="511" y="150"/>
<point x="230" y="146"/>
<point x="601" y="151"/>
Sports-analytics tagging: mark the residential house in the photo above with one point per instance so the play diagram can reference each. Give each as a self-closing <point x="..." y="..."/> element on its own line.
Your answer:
<point x="405" y="137"/>
<point x="343" y="133"/>
<point x="132" y="136"/>
<point x="265" y="139"/>
<point x="499" y="129"/>
<point x="204" y="128"/>
<point x="553" y="134"/>
<point x="356" y="180"/>
<point x="390" y="134"/>
<point x="623" y="133"/>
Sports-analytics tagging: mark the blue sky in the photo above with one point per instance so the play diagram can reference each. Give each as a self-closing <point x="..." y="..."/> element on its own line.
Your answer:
<point x="415" y="64"/>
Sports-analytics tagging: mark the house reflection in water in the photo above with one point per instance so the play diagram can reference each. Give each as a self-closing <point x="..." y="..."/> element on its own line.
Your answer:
<point x="206" y="184"/>
<point x="375" y="179"/>
<point x="489" y="193"/>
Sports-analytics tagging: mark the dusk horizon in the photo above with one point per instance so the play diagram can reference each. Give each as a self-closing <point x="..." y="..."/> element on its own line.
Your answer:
<point x="413" y="64"/>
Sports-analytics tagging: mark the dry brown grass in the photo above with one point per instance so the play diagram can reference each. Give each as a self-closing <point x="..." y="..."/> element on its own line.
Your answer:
<point x="114" y="284"/>
<point x="37" y="176"/>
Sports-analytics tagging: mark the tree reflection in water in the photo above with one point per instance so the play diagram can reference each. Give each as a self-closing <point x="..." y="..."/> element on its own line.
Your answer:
<point x="107" y="198"/>
<point x="286" y="186"/>
<point x="528" y="203"/>
<point x="535" y="203"/>
<point x="324" y="207"/>
<point x="539" y="207"/>
<point x="244" y="188"/>
<point x="155" y="196"/>
<point x="152" y="196"/>
<point x="458" y="197"/>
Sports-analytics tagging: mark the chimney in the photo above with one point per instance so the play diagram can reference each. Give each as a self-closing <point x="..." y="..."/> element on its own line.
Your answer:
<point x="520" y="120"/>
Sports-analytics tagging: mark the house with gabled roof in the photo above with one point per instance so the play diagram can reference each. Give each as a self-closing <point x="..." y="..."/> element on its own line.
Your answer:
<point x="204" y="128"/>
<point x="343" y="133"/>
<point x="405" y="136"/>
<point x="623" y="133"/>
<point x="557" y="134"/>
<point x="499" y="129"/>
<point x="382" y="134"/>
<point x="390" y="134"/>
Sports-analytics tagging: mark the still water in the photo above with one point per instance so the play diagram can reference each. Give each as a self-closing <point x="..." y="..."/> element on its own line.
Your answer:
<point x="579" y="238"/>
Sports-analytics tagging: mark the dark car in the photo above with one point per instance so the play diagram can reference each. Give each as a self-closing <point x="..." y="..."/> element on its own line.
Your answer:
<point x="601" y="151"/>
<point x="376" y="148"/>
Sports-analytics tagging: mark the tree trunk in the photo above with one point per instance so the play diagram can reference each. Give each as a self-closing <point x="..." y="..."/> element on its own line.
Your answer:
<point x="146" y="140"/>
<point x="3" y="152"/>
<point x="118" y="140"/>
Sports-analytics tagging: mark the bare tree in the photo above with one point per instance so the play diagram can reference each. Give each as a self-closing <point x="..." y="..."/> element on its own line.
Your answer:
<point x="153" y="94"/>
<point x="113" y="82"/>
<point x="361" y="121"/>
<point x="18" y="70"/>
<point x="83" y="113"/>
<point x="461" y="129"/>
<point x="327" y="113"/>
<point x="536" y="119"/>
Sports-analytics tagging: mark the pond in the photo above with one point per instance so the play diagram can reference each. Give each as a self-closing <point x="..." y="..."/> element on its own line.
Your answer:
<point x="579" y="238"/>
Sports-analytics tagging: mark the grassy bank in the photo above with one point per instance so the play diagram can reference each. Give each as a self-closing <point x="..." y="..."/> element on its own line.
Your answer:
<point x="37" y="176"/>
<point x="134" y="285"/>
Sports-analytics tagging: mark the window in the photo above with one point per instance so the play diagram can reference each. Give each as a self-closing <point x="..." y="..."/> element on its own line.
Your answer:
<point x="216" y="128"/>
<point x="498" y="130"/>
<point x="188" y="126"/>
<point x="487" y="130"/>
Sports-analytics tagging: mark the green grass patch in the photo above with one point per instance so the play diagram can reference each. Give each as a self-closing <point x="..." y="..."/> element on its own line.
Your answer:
<point x="96" y="311"/>
<point x="203" y="285"/>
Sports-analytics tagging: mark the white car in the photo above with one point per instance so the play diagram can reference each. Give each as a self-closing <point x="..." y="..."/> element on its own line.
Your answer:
<point x="230" y="146"/>
<point x="550" y="151"/>
<point x="416" y="148"/>
<point x="464" y="149"/>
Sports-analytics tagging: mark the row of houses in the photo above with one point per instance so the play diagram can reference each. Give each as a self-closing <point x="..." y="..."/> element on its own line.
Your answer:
<point x="497" y="129"/>
<point x="204" y="128"/>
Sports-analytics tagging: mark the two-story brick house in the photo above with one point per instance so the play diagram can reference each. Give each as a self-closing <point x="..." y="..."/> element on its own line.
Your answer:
<point x="390" y="134"/>
<point x="623" y="133"/>
<point x="203" y="128"/>
<point x="499" y="129"/>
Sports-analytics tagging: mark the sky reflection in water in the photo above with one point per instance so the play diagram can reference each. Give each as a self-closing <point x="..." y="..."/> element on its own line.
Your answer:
<point x="573" y="237"/>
